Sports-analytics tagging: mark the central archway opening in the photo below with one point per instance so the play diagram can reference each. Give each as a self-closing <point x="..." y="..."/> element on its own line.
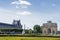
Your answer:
<point x="49" y="30"/>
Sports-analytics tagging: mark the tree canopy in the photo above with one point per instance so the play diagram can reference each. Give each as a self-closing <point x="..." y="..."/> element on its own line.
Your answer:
<point x="37" y="29"/>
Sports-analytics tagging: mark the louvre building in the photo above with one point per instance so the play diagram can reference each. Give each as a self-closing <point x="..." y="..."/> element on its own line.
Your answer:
<point x="14" y="28"/>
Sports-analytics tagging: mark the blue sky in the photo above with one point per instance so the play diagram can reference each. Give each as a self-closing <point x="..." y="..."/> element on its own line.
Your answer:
<point x="30" y="12"/>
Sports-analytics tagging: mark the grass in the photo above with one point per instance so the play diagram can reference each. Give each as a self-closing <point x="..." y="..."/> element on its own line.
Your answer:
<point x="28" y="38"/>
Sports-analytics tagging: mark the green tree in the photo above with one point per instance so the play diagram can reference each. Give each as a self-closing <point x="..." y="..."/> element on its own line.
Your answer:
<point x="26" y="31"/>
<point x="30" y="31"/>
<point x="37" y="29"/>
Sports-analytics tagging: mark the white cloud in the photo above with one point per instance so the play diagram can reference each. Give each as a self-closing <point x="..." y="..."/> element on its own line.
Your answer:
<point x="17" y="7"/>
<point x="15" y="2"/>
<point x="21" y="2"/>
<point x="25" y="3"/>
<point x="4" y="10"/>
<point x="6" y="15"/>
<point x="24" y="13"/>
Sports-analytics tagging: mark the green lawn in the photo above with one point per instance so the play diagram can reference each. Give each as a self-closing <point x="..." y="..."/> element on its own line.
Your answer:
<point x="28" y="38"/>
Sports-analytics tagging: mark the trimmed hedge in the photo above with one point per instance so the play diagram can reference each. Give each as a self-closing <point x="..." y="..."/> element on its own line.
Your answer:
<point x="27" y="35"/>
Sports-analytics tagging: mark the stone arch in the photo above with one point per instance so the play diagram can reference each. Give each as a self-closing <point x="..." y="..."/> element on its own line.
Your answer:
<point x="44" y="31"/>
<point x="53" y="32"/>
<point x="49" y="30"/>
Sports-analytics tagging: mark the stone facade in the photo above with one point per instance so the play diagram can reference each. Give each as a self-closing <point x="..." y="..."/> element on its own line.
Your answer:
<point x="14" y="28"/>
<point x="49" y="28"/>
